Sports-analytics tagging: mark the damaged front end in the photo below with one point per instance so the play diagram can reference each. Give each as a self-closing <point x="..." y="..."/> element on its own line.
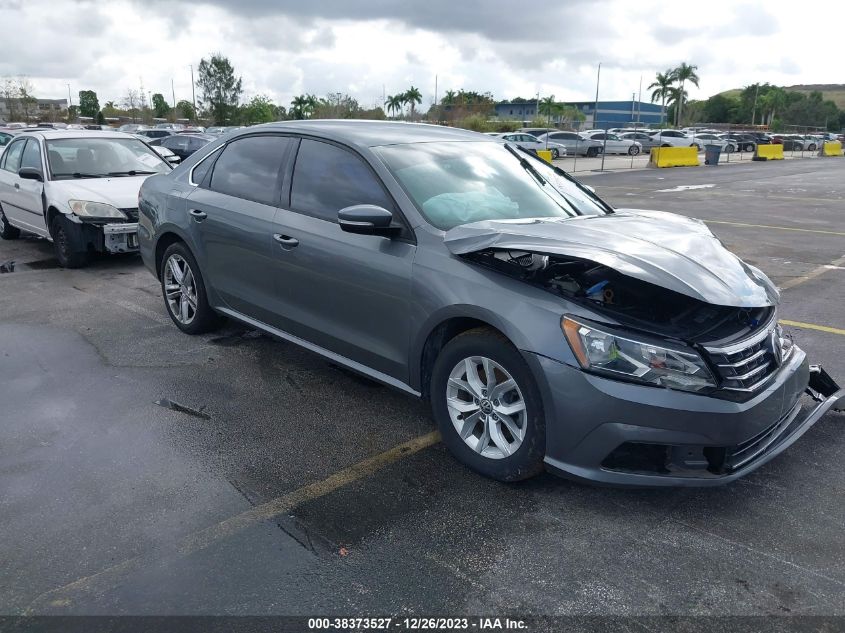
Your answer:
<point x="661" y="303"/>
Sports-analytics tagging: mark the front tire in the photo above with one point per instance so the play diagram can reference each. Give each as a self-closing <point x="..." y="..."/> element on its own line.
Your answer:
<point x="555" y="153"/>
<point x="633" y="150"/>
<point x="7" y="231"/>
<point x="592" y="152"/>
<point x="183" y="290"/>
<point x="488" y="407"/>
<point x="63" y="242"/>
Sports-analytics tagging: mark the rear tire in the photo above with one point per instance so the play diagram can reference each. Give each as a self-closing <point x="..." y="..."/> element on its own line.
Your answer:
<point x="592" y="152"/>
<point x="63" y="243"/>
<point x="503" y="435"/>
<point x="183" y="290"/>
<point x="555" y="153"/>
<point x="7" y="231"/>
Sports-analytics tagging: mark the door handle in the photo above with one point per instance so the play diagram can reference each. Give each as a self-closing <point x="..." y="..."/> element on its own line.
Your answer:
<point x="198" y="215"/>
<point x="285" y="240"/>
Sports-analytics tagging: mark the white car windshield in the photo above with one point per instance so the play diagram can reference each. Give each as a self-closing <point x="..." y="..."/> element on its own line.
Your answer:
<point x="455" y="183"/>
<point x="102" y="158"/>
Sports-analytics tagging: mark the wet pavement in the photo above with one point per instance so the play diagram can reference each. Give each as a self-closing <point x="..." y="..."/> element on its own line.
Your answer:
<point x="148" y="472"/>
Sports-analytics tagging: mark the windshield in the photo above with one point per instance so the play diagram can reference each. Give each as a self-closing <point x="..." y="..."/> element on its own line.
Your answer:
<point x="101" y="158"/>
<point x="455" y="183"/>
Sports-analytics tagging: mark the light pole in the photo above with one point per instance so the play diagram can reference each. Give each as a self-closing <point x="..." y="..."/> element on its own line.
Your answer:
<point x="193" y="93"/>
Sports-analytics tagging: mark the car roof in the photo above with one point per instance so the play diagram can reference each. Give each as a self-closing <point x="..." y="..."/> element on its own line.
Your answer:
<point x="370" y="133"/>
<point x="49" y="135"/>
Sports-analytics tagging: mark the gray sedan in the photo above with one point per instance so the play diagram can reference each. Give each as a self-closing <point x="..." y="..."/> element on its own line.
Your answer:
<point x="544" y="327"/>
<point x="574" y="143"/>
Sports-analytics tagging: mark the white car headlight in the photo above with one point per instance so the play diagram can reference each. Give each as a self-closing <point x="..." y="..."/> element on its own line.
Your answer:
<point x="625" y="357"/>
<point x="88" y="209"/>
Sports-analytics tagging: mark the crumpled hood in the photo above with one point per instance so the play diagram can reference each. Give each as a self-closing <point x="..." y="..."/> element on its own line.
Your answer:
<point x="664" y="249"/>
<point x="120" y="192"/>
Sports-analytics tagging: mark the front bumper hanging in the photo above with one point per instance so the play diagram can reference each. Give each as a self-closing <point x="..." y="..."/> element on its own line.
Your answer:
<point x="120" y="238"/>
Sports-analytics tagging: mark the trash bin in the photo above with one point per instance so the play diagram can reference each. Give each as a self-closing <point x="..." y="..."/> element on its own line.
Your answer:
<point x="712" y="154"/>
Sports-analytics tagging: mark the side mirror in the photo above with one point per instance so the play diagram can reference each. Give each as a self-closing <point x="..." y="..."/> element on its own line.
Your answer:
<point x="30" y="173"/>
<point x="173" y="159"/>
<point x="367" y="219"/>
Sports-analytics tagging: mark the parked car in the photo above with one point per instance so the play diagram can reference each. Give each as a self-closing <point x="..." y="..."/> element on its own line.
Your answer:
<point x="537" y="131"/>
<point x="132" y="128"/>
<point x="574" y="143"/>
<point x="532" y="143"/>
<point x="156" y="133"/>
<point x="544" y="326"/>
<point x="674" y="138"/>
<point x="745" y="142"/>
<point x="703" y="139"/>
<point x="183" y="145"/>
<point x="613" y="144"/>
<point x="221" y="129"/>
<point x="790" y="142"/>
<point x="643" y="138"/>
<point x="168" y="155"/>
<point x="173" y="127"/>
<point x="76" y="188"/>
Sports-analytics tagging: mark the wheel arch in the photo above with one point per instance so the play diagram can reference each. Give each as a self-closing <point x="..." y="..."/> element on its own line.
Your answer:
<point x="165" y="239"/>
<point x="444" y="326"/>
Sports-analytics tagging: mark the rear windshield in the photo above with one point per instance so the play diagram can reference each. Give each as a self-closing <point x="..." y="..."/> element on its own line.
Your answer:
<point x="455" y="183"/>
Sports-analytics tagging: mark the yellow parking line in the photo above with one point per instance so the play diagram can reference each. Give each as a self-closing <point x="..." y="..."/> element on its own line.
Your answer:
<point x="778" y="228"/>
<point x="813" y="326"/>
<point x="275" y="507"/>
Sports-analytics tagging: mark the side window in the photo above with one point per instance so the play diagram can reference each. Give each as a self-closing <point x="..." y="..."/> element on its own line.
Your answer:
<point x="176" y="143"/>
<point x="4" y="139"/>
<point x="251" y="168"/>
<point x="32" y="155"/>
<point x="327" y="178"/>
<point x="12" y="156"/>
<point x="201" y="168"/>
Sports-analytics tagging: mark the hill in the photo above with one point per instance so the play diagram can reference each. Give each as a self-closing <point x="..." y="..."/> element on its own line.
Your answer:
<point x="834" y="92"/>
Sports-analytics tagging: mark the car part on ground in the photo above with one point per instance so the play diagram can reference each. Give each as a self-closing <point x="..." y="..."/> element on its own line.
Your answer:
<point x="544" y="326"/>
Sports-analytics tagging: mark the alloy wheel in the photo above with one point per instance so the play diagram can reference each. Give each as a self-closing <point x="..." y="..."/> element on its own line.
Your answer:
<point x="180" y="289"/>
<point x="486" y="407"/>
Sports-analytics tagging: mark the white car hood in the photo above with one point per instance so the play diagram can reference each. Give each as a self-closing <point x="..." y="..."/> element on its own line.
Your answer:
<point x="120" y="192"/>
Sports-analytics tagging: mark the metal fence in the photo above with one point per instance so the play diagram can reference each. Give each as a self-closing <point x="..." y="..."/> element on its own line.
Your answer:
<point x="615" y="159"/>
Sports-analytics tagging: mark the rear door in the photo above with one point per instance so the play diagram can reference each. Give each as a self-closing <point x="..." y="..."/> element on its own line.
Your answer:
<point x="344" y="292"/>
<point x="231" y="214"/>
<point x="11" y="198"/>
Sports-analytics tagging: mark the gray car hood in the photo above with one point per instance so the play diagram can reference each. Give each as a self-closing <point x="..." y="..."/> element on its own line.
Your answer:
<point x="664" y="249"/>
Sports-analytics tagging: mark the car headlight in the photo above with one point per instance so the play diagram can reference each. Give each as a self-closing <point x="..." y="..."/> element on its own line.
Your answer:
<point x="88" y="209"/>
<point x="614" y="355"/>
<point x="787" y="345"/>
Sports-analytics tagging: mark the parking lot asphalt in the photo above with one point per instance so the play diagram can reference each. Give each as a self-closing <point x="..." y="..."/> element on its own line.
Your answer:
<point x="148" y="472"/>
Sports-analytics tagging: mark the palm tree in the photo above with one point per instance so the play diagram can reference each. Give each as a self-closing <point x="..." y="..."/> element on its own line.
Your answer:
<point x="412" y="96"/>
<point x="682" y="74"/>
<point x="661" y="88"/>
<point x="675" y="98"/>
<point x="394" y="103"/>
<point x="303" y="106"/>
<point x="549" y="107"/>
<point x="449" y="98"/>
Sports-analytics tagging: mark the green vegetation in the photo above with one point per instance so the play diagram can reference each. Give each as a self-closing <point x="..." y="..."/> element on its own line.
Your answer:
<point x="219" y="89"/>
<point x="88" y="103"/>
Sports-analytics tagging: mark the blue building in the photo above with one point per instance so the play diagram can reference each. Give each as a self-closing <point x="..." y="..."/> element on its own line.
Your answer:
<point x="610" y="113"/>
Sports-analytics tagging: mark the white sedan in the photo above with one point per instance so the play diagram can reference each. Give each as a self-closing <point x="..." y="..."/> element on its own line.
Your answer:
<point x="531" y="142"/>
<point x="673" y="138"/>
<point x="613" y="144"/>
<point x="77" y="188"/>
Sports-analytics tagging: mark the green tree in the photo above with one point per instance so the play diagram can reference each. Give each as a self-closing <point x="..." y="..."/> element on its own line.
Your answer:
<point x="336" y="105"/>
<point x="412" y="97"/>
<point x="394" y="104"/>
<point x="549" y="107"/>
<point x="88" y="103"/>
<point x="682" y="74"/>
<point x="72" y="114"/>
<point x="220" y="90"/>
<point x="302" y="106"/>
<point x="185" y="110"/>
<point x="26" y="98"/>
<point x="100" y="119"/>
<point x="260" y="109"/>
<point x="160" y="106"/>
<point x="720" y="109"/>
<point x="661" y="89"/>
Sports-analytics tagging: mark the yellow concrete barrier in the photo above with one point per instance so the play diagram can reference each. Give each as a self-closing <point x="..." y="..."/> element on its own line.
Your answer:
<point x="832" y="148"/>
<point x="673" y="157"/>
<point x="545" y="154"/>
<point x="770" y="152"/>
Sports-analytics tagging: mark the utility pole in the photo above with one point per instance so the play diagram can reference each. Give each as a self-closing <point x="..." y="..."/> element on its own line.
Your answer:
<point x="436" y="108"/>
<point x="754" y="108"/>
<point x="538" y="105"/>
<point x="640" y="101"/>
<point x="69" y="98"/>
<point x="193" y="92"/>
<point x="173" y="92"/>
<point x="596" y="104"/>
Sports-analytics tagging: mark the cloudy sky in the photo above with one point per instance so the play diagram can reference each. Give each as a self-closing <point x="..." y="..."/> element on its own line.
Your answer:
<point x="364" y="47"/>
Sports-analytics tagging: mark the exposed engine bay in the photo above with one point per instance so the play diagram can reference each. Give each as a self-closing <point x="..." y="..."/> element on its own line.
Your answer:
<point x="638" y="304"/>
